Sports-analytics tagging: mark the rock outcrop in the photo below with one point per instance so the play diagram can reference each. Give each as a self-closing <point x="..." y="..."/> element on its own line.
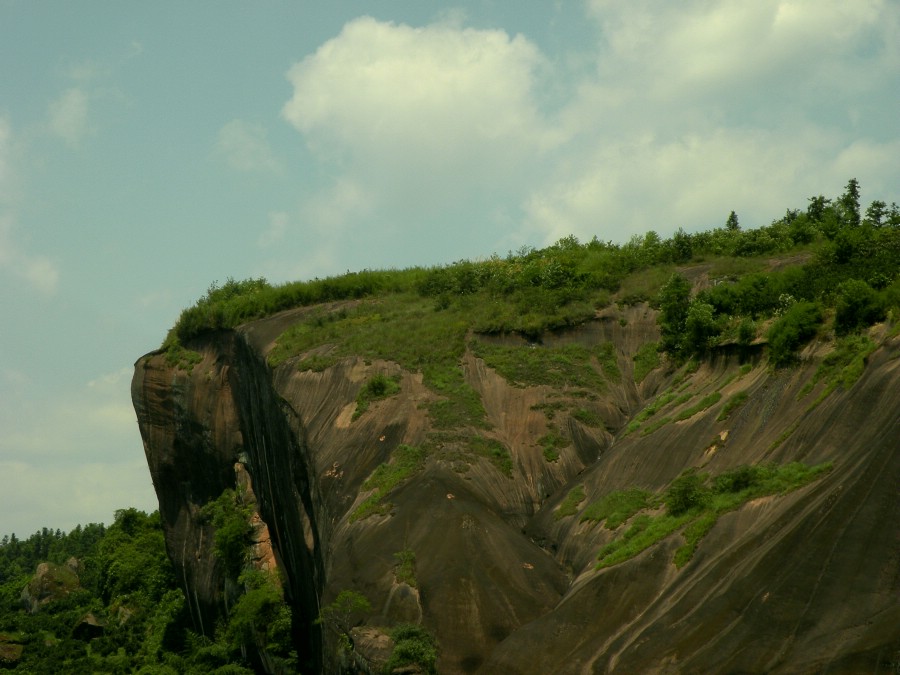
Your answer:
<point x="796" y="583"/>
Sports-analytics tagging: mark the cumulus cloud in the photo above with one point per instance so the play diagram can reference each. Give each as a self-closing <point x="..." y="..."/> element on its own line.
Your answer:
<point x="702" y="107"/>
<point x="246" y="147"/>
<point x="436" y="133"/>
<point x="68" y="116"/>
<point x="431" y="111"/>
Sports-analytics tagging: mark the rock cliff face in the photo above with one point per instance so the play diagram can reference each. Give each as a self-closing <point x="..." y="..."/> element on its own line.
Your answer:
<point x="807" y="581"/>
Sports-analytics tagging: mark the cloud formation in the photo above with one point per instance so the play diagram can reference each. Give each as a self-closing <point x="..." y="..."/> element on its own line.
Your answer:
<point x="246" y="147"/>
<point x="698" y="108"/>
<point x="68" y="116"/>
<point x="422" y="116"/>
<point x="689" y="111"/>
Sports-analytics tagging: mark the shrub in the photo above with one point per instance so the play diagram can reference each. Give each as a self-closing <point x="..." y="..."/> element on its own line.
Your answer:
<point x="413" y="645"/>
<point x="857" y="305"/>
<point x="686" y="492"/>
<point x="378" y="387"/>
<point x="231" y="519"/>
<point x="798" y="324"/>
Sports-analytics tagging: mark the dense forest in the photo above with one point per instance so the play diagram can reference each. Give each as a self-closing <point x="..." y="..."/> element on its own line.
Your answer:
<point x="107" y="600"/>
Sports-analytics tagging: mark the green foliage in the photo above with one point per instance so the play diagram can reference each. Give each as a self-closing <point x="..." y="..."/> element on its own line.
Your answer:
<point x="587" y="417"/>
<point x="405" y="569"/>
<point x="691" y="502"/>
<point x="617" y="507"/>
<point x="532" y="365"/>
<point x="552" y="442"/>
<point x="699" y="328"/>
<point x="706" y="402"/>
<point x="646" y="360"/>
<point x="260" y="616"/>
<point x="732" y="404"/>
<point x="858" y="305"/>
<point x="378" y="387"/>
<point x="231" y="519"/>
<point x="605" y="353"/>
<point x="493" y="450"/>
<point x="413" y="645"/>
<point x="341" y="614"/>
<point x="843" y="366"/>
<point x="179" y="357"/>
<point x="569" y="505"/>
<point x="406" y="460"/>
<point x="656" y="425"/>
<point x="643" y="533"/>
<point x="128" y="584"/>
<point x="798" y="324"/>
<point x="674" y="301"/>
<point x="686" y="493"/>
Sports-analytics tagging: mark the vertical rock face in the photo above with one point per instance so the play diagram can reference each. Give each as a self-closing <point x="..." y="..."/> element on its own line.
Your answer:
<point x="794" y="583"/>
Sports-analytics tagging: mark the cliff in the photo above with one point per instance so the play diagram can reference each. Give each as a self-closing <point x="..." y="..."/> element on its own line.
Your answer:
<point x="491" y="514"/>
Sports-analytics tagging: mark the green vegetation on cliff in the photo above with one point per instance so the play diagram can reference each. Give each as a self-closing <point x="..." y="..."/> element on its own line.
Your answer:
<point x="694" y="502"/>
<point x="838" y="271"/>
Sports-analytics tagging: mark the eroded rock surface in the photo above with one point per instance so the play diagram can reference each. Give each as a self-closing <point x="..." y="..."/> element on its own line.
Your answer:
<point x="798" y="583"/>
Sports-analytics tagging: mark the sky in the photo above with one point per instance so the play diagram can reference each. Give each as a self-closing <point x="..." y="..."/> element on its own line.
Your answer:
<point x="149" y="149"/>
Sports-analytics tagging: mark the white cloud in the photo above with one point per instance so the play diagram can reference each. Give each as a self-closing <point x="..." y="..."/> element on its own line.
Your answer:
<point x="68" y="116"/>
<point x="435" y="134"/>
<point x="701" y="107"/>
<point x="436" y="110"/>
<point x="246" y="147"/>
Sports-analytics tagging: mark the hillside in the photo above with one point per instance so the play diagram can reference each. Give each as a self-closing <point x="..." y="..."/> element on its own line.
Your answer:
<point x="667" y="456"/>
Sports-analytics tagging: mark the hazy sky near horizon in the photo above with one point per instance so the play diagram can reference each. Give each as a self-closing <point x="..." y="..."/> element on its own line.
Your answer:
<point x="149" y="149"/>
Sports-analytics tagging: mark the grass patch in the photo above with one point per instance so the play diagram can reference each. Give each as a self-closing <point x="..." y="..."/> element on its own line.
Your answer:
<point x="378" y="387"/>
<point x="569" y="505"/>
<point x="495" y="451"/>
<point x="643" y="286"/>
<point x="184" y="359"/>
<point x="534" y="365"/>
<point x="644" y="532"/>
<point x="317" y="363"/>
<point x="550" y="408"/>
<point x="706" y="402"/>
<point x="551" y="443"/>
<point x="609" y="361"/>
<point x="587" y="417"/>
<point x="402" y="328"/>
<point x="842" y="367"/>
<point x="405" y="567"/>
<point x="617" y="507"/>
<point x="405" y="461"/>
<point x="708" y="500"/>
<point x="655" y="425"/>
<point x="646" y="360"/>
<point x="732" y="404"/>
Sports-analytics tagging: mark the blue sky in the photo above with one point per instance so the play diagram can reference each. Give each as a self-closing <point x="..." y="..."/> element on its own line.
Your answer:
<point x="149" y="149"/>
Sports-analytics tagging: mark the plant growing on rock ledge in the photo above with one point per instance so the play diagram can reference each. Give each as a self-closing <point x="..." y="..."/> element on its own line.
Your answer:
<point x="378" y="387"/>
<point x="342" y="614"/>
<point x="413" y="646"/>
